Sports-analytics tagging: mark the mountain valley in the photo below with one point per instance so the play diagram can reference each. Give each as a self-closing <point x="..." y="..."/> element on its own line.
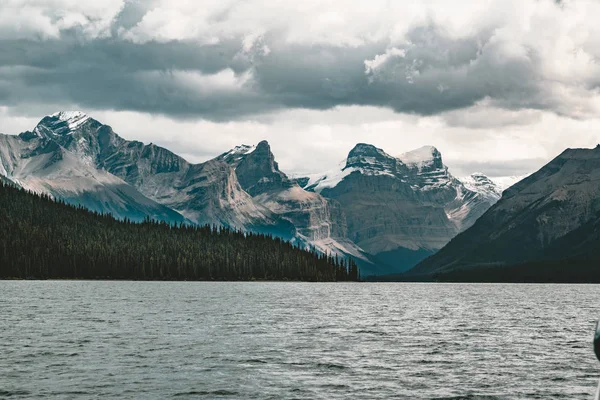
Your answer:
<point x="549" y="218"/>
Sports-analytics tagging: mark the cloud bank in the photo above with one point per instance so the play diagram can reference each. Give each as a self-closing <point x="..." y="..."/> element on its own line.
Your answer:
<point x="492" y="66"/>
<point x="233" y="59"/>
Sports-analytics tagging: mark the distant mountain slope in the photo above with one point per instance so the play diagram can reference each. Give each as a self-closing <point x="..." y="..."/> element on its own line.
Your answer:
<point x="45" y="239"/>
<point x="402" y="209"/>
<point x="37" y="161"/>
<point x="486" y="187"/>
<point x="550" y="216"/>
<point x="206" y="193"/>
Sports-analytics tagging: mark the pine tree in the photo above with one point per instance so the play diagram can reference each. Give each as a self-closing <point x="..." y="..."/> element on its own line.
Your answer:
<point x="41" y="238"/>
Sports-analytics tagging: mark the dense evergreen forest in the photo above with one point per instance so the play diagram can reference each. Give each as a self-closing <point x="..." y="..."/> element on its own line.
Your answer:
<point x="41" y="238"/>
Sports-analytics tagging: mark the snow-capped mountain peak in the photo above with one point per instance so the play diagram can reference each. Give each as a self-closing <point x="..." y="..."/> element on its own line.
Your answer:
<point x="370" y="160"/>
<point x="238" y="152"/>
<point x="329" y="179"/>
<point x="423" y="167"/>
<point x="60" y="123"/>
<point x="72" y="118"/>
<point x="426" y="169"/>
<point x="426" y="156"/>
<point x="480" y="183"/>
<point x="366" y="153"/>
<point x="244" y="149"/>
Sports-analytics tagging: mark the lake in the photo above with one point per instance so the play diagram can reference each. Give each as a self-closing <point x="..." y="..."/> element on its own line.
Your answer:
<point x="251" y="340"/>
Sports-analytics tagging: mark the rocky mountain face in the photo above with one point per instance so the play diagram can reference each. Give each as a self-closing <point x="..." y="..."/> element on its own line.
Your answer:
<point x="479" y="183"/>
<point x="42" y="162"/>
<point x="401" y="209"/>
<point x="242" y="188"/>
<point x="553" y="214"/>
<point x="319" y="223"/>
<point x="474" y="196"/>
<point x="207" y="193"/>
<point x="387" y="212"/>
<point x="258" y="172"/>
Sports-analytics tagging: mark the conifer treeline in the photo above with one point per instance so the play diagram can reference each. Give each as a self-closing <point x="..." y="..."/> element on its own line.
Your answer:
<point x="41" y="238"/>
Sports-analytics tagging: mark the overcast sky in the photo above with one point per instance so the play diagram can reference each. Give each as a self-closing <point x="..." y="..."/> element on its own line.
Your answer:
<point x="498" y="86"/>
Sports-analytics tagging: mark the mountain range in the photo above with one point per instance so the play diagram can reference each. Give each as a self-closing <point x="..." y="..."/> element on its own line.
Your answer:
<point x="546" y="227"/>
<point x="388" y="212"/>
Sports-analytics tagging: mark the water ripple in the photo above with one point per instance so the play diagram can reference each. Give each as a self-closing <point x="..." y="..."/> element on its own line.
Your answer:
<point x="157" y="340"/>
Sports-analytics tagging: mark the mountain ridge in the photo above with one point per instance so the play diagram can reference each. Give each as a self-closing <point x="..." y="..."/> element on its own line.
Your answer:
<point x="420" y="206"/>
<point x="244" y="189"/>
<point x="544" y="217"/>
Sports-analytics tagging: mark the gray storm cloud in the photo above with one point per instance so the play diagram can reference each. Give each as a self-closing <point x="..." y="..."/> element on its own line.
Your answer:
<point x="429" y="70"/>
<point x="434" y="75"/>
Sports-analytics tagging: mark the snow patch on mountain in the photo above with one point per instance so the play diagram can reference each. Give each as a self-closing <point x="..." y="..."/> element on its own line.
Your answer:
<point x="480" y="183"/>
<point x="73" y="118"/>
<point x="370" y="160"/>
<point x="60" y="123"/>
<point x="329" y="179"/>
<point x="238" y="152"/>
<point x="420" y="158"/>
<point x="364" y="158"/>
<point x="421" y="168"/>
<point x="504" y="182"/>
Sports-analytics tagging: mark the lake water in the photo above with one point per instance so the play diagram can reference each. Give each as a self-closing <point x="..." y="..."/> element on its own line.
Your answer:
<point x="158" y="340"/>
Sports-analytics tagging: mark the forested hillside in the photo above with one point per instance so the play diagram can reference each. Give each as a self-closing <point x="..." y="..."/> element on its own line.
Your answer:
<point x="41" y="238"/>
